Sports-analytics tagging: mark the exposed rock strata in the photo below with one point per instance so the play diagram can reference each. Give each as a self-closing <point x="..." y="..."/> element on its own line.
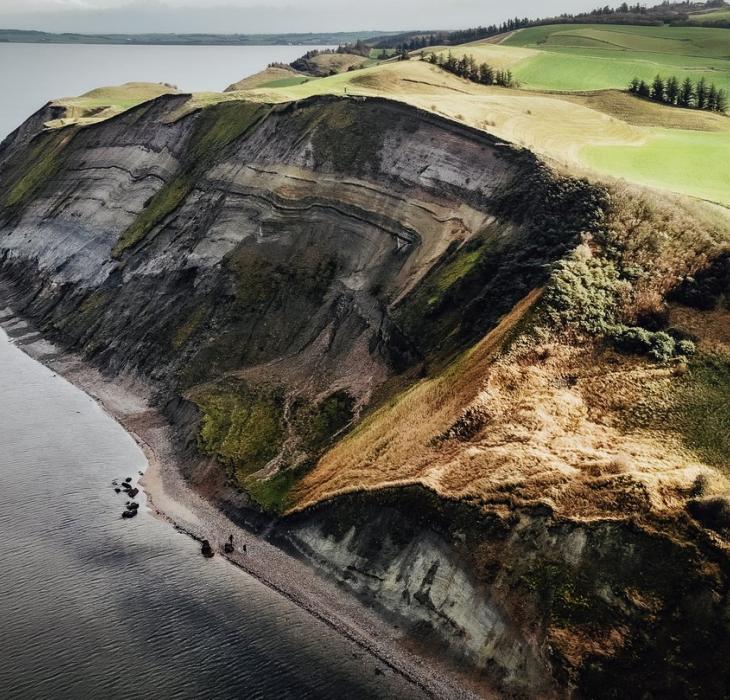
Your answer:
<point x="278" y="260"/>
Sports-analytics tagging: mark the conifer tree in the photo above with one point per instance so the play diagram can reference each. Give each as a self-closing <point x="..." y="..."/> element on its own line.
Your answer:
<point x="472" y="68"/>
<point x="450" y="63"/>
<point x="657" y="89"/>
<point x="686" y="94"/>
<point x="700" y="94"/>
<point x="672" y="91"/>
<point x="486" y="74"/>
<point x="712" y="98"/>
<point x="721" y="104"/>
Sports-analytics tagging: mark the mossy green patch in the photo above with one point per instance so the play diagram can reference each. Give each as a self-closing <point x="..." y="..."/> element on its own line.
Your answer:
<point x="272" y="299"/>
<point x="475" y="285"/>
<point x="427" y="314"/>
<point x="569" y="595"/>
<point x="188" y="328"/>
<point x="46" y="158"/>
<point x="242" y="427"/>
<point x="259" y="281"/>
<point x="317" y="423"/>
<point x="704" y="409"/>
<point x="447" y="310"/>
<point x="167" y="200"/>
<point x="94" y="302"/>
<point x="272" y="494"/>
<point x="216" y="128"/>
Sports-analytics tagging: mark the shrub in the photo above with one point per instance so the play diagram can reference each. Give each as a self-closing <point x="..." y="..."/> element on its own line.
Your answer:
<point x="686" y="348"/>
<point x="583" y="292"/>
<point x="713" y="512"/>
<point x="662" y="347"/>
<point x="635" y="340"/>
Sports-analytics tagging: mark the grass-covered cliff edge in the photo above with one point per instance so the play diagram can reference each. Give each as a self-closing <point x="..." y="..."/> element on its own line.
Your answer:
<point x="491" y="397"/>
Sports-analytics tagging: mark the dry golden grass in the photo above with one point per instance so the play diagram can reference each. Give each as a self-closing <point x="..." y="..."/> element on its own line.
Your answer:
<point x="711" y="327"/>
<point x="394" y="444"/>
<point x="545" y="422"/>
<point x="265" y="76"/>
<point x="544" y="123"/>
<point x="499" y="57"/>
<point x="325" y="63"/>
<point x="638" y="112"/>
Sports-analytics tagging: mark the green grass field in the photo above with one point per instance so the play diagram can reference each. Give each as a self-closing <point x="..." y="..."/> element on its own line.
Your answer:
<point x="105" y="102"/>
<point x="287" y="82"/>
<point x="681" y="41"/>
<point x="119" y="97"/>
<point x="688" y="162"/>
<point x="596" y="57"/>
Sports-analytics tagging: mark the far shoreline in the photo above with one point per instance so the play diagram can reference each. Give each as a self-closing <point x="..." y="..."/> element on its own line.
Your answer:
<point x="31" y="36"/>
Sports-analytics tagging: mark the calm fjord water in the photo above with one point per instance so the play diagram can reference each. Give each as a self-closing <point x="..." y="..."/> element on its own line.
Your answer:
<point x="94" y="606"/>
<point x="33" y="74"/>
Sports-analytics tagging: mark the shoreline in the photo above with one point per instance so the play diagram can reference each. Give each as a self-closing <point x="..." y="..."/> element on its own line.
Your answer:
<point x="171" y="498"/>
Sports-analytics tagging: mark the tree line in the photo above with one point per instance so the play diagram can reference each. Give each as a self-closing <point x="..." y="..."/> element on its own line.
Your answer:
<point x="699" y="95"/>
<point x="675" y="13"/>
<point x="467" y="67"/>
<point x="461" y="36"/>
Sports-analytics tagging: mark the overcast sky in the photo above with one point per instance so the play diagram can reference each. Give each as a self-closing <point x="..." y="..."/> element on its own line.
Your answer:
<point x="250" y="16"/>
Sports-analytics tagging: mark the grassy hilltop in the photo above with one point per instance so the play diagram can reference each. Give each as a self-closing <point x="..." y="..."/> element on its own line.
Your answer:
<point x="569" y="102"/>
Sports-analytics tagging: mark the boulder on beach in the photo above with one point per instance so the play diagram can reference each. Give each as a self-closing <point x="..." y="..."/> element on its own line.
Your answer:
<point x="128" y="479"/>
<point x="132" y="492"/>
<point x="228" y="548"/>
<point x="206" y="550"/>
<point x="129" y="513"/>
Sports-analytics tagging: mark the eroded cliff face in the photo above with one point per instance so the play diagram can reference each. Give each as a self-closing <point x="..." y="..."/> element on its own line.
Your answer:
<point x="267" y="247"/>
<point x="542" y="607"/>
<point x="278" y="272"/>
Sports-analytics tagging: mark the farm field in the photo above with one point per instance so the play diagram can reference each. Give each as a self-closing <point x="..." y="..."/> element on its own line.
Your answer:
<point x="688" y="162"/>
<point x="594" y="57"/>
<point x="680" y="41"/>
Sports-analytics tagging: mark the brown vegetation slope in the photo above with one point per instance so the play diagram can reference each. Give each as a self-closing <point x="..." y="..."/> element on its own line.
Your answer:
<point x="544" y="409"/>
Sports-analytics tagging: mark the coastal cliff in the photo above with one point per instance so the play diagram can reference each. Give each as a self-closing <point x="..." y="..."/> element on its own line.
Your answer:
<point x="438" y="370"/>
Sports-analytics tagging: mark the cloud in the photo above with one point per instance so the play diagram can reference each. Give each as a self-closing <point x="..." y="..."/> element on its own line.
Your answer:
<point x="251" y="16"/>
